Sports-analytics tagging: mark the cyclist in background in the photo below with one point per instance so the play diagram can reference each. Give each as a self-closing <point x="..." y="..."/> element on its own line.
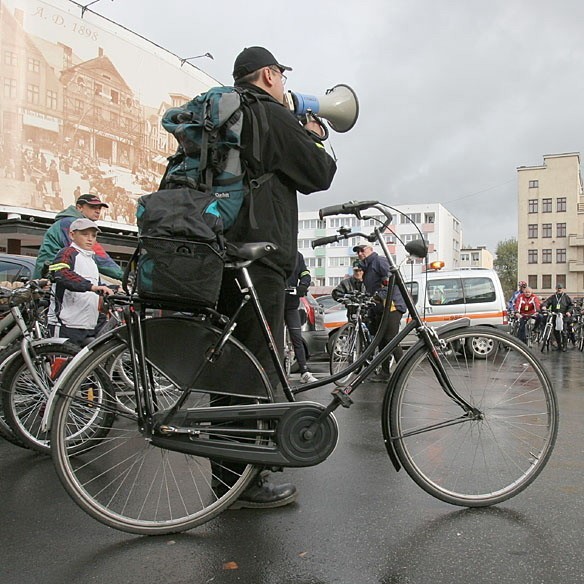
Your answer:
<point x="526" y="306"/>
<point x="561" y="305"/>
<point x="511" y="304"/>
<point x="351" y="284"/>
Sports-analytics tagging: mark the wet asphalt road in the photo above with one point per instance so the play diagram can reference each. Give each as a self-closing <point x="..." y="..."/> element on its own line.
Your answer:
<point x="356" y="521"/>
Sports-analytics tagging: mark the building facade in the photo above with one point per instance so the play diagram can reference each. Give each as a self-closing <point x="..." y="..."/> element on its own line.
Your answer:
<point x="331" y="263"/>
<point x="550" y="232"/>
<point x="476" y="257"/>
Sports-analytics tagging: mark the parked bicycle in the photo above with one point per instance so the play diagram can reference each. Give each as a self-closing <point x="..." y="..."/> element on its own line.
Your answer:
<point x="31" y="370"/>
<point x="471" y="432"/>
<point x="351" y="340"/>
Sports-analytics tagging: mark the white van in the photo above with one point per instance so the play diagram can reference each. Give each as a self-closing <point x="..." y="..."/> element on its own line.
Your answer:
<point x="474" y="293"/>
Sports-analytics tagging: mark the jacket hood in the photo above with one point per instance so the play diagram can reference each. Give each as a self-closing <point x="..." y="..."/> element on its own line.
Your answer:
<point x="70" y="211"/>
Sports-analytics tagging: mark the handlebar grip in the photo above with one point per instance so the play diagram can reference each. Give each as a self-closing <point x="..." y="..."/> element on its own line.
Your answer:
<point x="325" y="240"/>
<point x="346" y="208"/>
<point x="332" y="210"/>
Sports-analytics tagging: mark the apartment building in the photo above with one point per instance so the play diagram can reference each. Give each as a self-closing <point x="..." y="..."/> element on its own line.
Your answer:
<point x="331" y="263"/>
<point x="476" y="257"/>
<point x="551" y="224"/>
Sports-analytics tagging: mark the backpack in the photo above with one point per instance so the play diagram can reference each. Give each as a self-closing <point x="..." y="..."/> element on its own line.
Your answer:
<point x="180" y="255"/>
<point x="208" y="129"/>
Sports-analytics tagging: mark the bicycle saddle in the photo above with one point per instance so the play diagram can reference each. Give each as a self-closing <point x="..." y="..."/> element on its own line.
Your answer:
<point x="249" y="251"/>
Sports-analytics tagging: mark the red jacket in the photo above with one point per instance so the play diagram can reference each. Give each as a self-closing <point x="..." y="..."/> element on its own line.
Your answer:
<point x="527" y="306"/>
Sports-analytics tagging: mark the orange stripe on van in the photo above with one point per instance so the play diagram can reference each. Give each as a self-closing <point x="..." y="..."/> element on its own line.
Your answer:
<point x="334" y="325"/>
<point x="473" y="316"/>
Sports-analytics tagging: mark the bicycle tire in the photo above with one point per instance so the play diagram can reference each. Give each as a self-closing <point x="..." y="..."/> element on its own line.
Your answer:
<point x="345" y="350"/>
<point x="6" y="431"/>
<point x="546" y="337"/>
<point x="126" y="482"/>
<point x="24" y="402"/>
<point x="467" y="461"/>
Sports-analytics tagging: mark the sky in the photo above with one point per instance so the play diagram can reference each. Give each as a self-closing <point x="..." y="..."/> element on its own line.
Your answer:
<point x="453" y="96"/>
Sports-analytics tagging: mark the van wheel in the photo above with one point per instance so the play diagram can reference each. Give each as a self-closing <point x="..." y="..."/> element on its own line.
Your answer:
<point x="480" y="347"/>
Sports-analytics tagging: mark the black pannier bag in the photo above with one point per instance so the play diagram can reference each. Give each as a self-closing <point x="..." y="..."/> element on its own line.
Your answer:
<point x="181" y="250"/>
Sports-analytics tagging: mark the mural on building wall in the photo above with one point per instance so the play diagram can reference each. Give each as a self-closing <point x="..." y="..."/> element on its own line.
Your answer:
<point x="81" y="105"/>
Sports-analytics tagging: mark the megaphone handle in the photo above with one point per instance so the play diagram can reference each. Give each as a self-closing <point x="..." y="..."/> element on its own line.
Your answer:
<point x="314" y="119"/>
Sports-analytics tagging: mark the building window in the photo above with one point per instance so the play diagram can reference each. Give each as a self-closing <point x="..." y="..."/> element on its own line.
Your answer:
<point x="115" y="96"/>
<point x="340" y="262"/>
<point x="561" y="280"/>
<point x="532" y="256"/>
<point x="546" y="256"/>
<point x="560" y="256"/>
<point x="561" y="204"/>
<point x="546" y="281"/>
<point x="34" y="65"/>
<point x="32" y="93"/>
<point x="532" y="230"/>
<point x="429" y="218"/>
<point x="546" y="230"/>
<point x="475" y="256"/>
<point x="546" y="205"/>
<point x="51" y="99"/>
<point x="10" y="88"/>
<point x="532" y="281"/>
<point x="10" y="59"/>
<point x="560" y="230"/>
<point x="532" y="206"/>
<point x="533" y="184"/>
<point x="411" y="218"/>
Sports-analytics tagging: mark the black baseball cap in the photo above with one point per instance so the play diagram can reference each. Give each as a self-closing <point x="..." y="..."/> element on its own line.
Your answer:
<point x="361" y="247"/>
<point x="90" y="200"/>
<point x="253" y="58"/>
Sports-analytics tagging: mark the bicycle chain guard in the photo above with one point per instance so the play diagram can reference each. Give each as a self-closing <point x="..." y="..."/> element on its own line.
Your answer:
<point x="282" y="434"/>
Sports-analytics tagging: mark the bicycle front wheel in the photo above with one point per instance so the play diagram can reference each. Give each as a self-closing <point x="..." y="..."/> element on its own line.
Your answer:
<point x="346" y="348"/>
<point x="481" y="458"/>
<point x="126" y="482"/>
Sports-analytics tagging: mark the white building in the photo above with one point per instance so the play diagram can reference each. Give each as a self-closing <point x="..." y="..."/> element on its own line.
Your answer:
<point x="331" y="263"/>
<point x="476" y="257"/>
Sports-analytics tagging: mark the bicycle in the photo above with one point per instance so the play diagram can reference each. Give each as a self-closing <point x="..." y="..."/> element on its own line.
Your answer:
<point x="471" y="432"/>
<point x="351" y="340"/>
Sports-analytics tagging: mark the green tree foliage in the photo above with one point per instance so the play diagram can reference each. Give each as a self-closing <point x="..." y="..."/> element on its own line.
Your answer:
<point x="506" y="265"/>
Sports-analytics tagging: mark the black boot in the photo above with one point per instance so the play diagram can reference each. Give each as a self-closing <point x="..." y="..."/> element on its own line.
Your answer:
<point x="264" y="495"/>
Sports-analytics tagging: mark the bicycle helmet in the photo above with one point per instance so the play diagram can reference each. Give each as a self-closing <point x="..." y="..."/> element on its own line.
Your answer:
<point x="522" y="284"/>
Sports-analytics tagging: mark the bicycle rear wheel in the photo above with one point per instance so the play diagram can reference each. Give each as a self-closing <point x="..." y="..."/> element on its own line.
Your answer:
<point x="126" y="482"/>
<point x="472" y="460"/>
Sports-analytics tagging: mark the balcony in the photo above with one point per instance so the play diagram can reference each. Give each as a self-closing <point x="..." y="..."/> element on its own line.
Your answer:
<point x="428" y="227"/>
<point x="575" y="266"/>
<point x="576" y="240"/>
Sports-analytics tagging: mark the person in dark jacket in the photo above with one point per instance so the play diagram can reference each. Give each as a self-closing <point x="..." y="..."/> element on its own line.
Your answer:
<point x="376" y="279"/>
<point x="298" y="282"/>
<point x="294" y="158"/>
<point x="58" y="236"/>
<point x="351" y="284"/>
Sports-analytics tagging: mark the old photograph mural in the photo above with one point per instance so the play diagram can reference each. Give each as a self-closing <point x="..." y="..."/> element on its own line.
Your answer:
<point x="80" y="108"/>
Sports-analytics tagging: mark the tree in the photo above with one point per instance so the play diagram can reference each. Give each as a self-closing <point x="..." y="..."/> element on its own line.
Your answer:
<point x="506" y="265"/>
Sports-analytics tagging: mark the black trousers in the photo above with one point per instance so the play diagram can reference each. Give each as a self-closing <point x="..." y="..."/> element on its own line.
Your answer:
<point x="391" y="330"/>
<point x="292" y="319"/>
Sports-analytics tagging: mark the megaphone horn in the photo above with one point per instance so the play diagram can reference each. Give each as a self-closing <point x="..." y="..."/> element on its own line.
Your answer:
<point x="339" y="106"/>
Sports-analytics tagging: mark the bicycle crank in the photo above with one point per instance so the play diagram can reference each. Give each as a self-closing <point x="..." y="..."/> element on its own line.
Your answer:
<point x="285" y="434"/>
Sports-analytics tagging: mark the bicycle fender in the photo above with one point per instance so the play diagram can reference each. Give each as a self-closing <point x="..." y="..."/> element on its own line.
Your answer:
<point x="455" y="324"/>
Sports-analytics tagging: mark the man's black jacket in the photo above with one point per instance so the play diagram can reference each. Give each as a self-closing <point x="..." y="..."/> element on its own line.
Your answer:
<point x="299" y="163"/>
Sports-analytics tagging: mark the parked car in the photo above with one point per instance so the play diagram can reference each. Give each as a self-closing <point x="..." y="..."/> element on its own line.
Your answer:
<point x="15" y="268"/>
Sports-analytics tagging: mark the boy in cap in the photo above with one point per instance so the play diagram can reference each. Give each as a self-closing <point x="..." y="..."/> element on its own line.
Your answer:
<point x="58" y="236"/>
<point x="74" y="310"/>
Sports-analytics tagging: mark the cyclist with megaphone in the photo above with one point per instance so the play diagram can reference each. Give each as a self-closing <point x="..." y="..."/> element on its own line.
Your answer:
<point x="293" y="157"/>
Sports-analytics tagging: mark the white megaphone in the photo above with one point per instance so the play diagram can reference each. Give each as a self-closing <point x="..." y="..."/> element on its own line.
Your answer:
<point x="339" y="106"/>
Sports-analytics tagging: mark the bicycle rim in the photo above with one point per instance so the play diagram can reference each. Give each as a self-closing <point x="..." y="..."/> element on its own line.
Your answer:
<point x="125" y="482"/>
<point x="476" y="461"/>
